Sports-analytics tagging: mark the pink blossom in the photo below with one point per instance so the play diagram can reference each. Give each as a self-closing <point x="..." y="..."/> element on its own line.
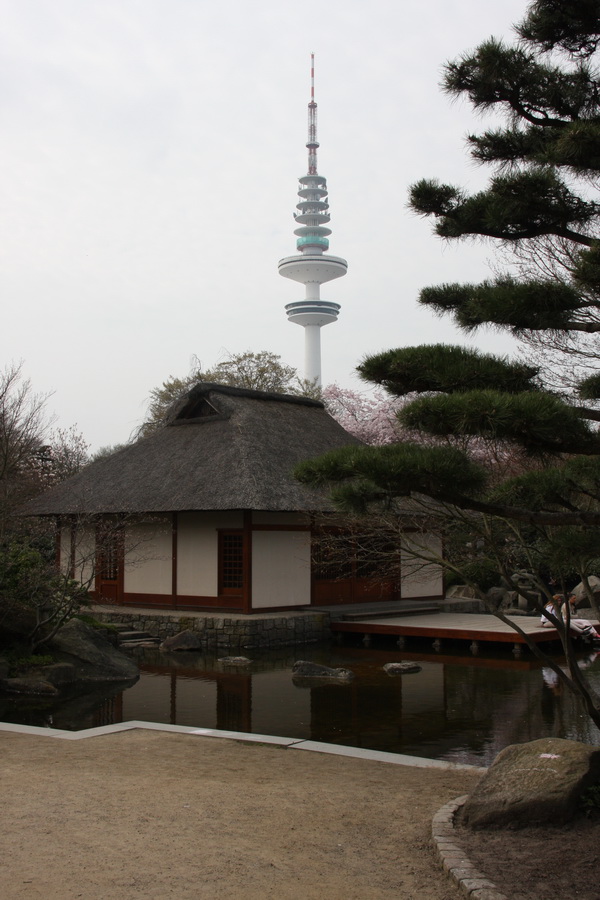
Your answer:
<point x="369" y="417"/>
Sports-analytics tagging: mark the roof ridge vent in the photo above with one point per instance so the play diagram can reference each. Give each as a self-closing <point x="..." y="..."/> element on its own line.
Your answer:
<point x="197" y="409"/>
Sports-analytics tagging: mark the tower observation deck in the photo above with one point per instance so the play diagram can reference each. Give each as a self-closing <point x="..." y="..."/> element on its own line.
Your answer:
<point x="312" y="267"/>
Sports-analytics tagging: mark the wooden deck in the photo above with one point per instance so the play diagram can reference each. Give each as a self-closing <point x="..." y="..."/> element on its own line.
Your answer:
<point x="450" y="626"/>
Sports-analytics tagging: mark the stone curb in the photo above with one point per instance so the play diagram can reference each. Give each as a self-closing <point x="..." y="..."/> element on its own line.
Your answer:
<point x="397" y="759"/>
<point x="455" y="862"/>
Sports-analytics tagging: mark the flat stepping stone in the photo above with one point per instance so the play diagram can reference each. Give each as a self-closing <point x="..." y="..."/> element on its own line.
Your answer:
<point x="401" y="668"/>
<point x="235" y="660"/>
<point x="129" y="636"/>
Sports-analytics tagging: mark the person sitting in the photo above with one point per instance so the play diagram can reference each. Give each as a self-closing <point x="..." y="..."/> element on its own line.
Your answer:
<point x="578" y="627"/>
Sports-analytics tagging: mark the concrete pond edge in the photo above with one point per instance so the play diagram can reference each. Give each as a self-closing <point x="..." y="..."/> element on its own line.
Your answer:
<point x="473" y="883"/>
<point x="398" y="759"/>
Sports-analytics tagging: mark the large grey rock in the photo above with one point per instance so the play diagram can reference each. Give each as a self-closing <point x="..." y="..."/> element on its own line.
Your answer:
<point x="579" y="591"/>
<point x="461" y="590"/>
<point x="305" y="669"/>
<point x="538" y="782"/>
<point x="185" y="640"/>
<point x="59" y="673"/>
<point x="28" y="684"/>
<point x="497" y="597"/>
<point x="92" y="655"/>
<point x="401" y="668"/>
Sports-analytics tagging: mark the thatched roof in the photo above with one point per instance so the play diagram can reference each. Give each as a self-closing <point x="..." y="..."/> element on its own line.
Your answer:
<point x="221" y="448"/>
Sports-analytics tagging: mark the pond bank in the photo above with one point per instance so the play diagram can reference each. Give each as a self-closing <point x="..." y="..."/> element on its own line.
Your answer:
<point x="260" y="631"/>
<point x="225" y="631"/>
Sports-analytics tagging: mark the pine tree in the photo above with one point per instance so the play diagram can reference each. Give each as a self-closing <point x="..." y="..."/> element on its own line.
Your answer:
<point x="543" y="187"/>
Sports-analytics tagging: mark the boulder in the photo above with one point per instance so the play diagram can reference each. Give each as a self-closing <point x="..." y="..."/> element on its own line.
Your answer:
<point x="535" y="783"/>
<point x="579" y="591"/>
<point x="462" y="590"/>
<point x="92" y="656"/>
<point x="59" y="673"/>
<point x="28" y="684"/>
<point x="305" y="669"/>
<point x="401" y="668"/>
<point x="185" y="640"/>
<point x="235" y="660"/>
<point x="498" y="597"/>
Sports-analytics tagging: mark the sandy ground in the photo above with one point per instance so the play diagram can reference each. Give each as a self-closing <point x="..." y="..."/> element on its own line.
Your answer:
<point x="147" y="814"/>
<point x="542" y="863"/>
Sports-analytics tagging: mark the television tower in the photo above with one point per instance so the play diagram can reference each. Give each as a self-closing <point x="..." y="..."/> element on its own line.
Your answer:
<point x="311" y="267"/>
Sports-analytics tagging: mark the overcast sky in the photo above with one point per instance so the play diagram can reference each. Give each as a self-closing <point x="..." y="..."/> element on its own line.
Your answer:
<point x="150" y="151"/>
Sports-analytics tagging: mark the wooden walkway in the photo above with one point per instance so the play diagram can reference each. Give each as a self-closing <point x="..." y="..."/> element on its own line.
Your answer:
<point x="450" y="626"/>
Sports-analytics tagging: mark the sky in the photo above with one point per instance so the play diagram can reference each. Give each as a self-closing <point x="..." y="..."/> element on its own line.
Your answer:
<point x="150" y="153"/>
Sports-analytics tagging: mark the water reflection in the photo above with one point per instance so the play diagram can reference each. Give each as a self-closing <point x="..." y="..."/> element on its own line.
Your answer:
<point x="459" y="708"/>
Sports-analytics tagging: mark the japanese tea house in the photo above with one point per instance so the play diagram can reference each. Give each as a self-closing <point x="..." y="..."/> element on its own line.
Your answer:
<point x="205" y="514"/>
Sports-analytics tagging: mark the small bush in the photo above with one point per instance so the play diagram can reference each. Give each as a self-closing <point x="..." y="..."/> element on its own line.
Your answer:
<point x="482" y="572"/>
<point x="21" y="664"/>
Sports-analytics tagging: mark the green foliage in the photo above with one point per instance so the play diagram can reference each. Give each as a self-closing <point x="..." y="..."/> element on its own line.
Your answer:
<point x="572" y="484"/>
<point x="444" y="367"/>
<point x="18" y="665"/>
<point x="539" y="422"/>
<point x="394" y="470"/>
<point x="586" y="269"/>
<point x="482" y="572"/>
<point x="506" y="302"/>
<point x="262" y="371"/>
<point x="589" y="388"/>
<point x="521" y="81"/>
<point x="522" y="205"/>
<point x="34" y="593"/>
<point x="570" y="25"/>
<point x="518" y="468"/>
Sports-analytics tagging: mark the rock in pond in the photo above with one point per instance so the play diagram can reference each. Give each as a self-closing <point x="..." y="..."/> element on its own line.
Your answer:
<point x="401" y="668"/>
<point x="535" y="783"/>
<point x="235" y="660"/>
<point x="29" y="684"/>
<point x="305" y="669"/>
<point x="185" y="640"/>
<point x="93" y="657"/>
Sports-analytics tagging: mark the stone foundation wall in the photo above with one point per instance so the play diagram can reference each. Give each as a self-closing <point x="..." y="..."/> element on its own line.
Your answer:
<point x="262" y="632"/>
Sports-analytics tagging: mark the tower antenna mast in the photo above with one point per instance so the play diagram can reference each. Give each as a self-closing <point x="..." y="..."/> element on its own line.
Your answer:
<point x="312" y="143"/>
<point x="311" y="267"/>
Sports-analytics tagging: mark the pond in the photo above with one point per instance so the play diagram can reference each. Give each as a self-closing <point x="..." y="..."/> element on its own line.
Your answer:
<point x="459" y="708"/>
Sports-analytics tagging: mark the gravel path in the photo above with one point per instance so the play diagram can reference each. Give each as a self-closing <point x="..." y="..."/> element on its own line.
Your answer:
<point x="154" y="815"/>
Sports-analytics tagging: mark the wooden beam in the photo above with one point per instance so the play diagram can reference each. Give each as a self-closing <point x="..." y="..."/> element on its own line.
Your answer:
<point x="247" y="562"/>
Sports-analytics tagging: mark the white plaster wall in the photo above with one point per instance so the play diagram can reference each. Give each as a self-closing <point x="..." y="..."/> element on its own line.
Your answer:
<point x="421" y="579"/>
<point x="148" y="557"/>
<point x="197" y="549"/>
<point x="280" y="568"/>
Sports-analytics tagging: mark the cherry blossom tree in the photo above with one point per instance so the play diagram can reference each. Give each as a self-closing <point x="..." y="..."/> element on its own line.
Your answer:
<point x="369" y="417"/>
